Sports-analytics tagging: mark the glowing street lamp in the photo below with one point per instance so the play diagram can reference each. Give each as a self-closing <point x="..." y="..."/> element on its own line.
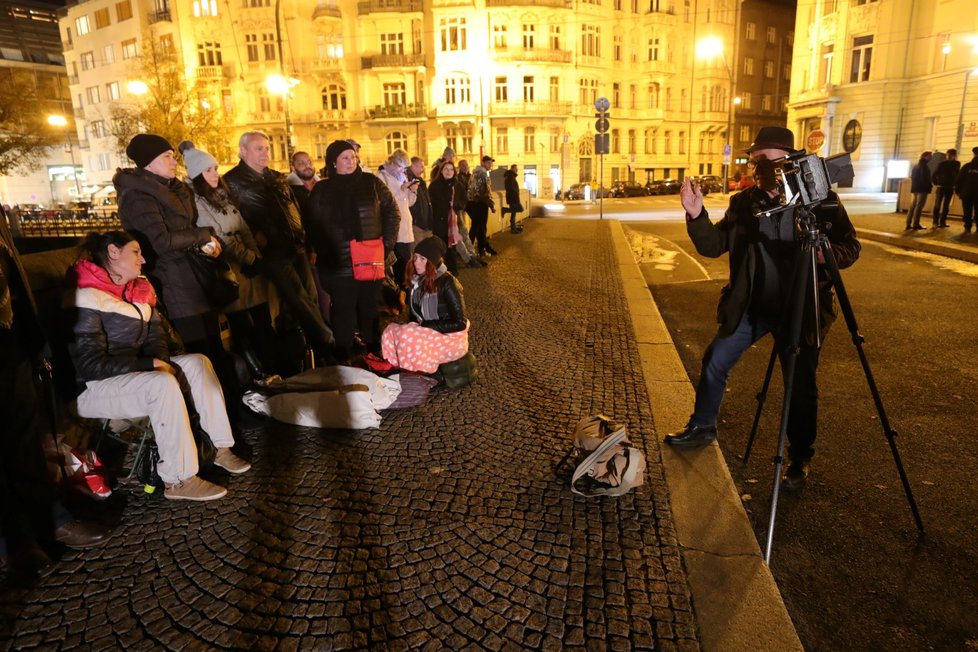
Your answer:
<point x="137" y="87"/>
<point x="61" y="122"/>
<point x="282" y="85"/>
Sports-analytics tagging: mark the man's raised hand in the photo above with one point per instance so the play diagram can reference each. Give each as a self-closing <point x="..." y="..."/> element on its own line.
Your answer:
<point x="692" y="199"/>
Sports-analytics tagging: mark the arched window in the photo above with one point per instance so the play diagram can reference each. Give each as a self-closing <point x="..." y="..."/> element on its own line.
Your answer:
<point x="396" y="140"/>
<point x="334" y="97"/>
<point x="458" y="89"/>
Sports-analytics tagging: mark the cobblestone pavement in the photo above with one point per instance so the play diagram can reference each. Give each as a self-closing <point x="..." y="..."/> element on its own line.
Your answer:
<point x="444" y="529"/>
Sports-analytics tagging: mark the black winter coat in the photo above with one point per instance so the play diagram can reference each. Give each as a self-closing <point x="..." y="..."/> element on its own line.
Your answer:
<point x="162" y="215"/>
<point x="451" y="306"/>
<point x="440" y="192"/>
<point x="512" y="187"/>
<point x="421" y="208"/>
<point x="920" y="179"/>
<point x="269" y="207"/>
<point x="340" y="209"/>
<point x="737" y="233"/>
<point x="967" y="182"/>
<point x="946" y="173"/>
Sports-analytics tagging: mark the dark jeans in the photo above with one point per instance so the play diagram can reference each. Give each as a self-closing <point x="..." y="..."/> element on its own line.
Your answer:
<point x="720" y="358"/>
<point x="292" y="277"/>
<point x="942" y="203"/>
<point x="27" y="496"/>
<point x="513" y="212"/>
<point x="479" y="214"/>
<point x="969" y="204"/>
<point x="355" y="307"/>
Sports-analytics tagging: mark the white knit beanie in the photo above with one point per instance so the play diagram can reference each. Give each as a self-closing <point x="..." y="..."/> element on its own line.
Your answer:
<point x="196" y="160"/>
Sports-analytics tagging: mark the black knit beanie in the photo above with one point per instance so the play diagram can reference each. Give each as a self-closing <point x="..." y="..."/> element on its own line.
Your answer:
<point x="144" y="148"/>
<point x="433" y="248"/>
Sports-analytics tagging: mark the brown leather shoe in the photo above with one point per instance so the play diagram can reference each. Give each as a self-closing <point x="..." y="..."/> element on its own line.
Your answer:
<point x="79" y="535"/>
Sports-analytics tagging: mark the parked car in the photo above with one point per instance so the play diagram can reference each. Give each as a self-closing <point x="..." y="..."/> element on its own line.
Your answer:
<point x="708" y="183"/>
<point x="745" y="181"/>
<point x="628" y="189"/>
<point x="663" y="187"/>
<point x="576" y="191"/>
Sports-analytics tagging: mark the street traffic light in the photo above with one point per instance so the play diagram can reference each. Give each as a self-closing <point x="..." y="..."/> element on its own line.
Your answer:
<point x="601" y="126"/>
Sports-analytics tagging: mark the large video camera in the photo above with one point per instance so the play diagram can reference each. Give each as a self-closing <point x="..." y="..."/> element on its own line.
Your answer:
<point x="805" y="179"/>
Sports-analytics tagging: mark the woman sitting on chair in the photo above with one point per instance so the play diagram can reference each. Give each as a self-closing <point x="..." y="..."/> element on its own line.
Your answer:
<point x="437" y="331"/>
<point x="121" y="353"/>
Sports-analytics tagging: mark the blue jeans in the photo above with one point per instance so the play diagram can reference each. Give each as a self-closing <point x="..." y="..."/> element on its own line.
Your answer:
<point x="724" y="353"/>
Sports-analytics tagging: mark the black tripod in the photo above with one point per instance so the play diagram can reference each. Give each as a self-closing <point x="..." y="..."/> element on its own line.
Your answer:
<point x="812" y="242"/>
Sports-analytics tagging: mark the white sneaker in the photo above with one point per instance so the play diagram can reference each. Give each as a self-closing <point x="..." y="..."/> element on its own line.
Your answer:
<point x="194" y="488"/>
<point x="230" y="462"/>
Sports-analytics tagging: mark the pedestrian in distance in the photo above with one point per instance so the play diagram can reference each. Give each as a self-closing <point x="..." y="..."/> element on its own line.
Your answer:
<point x="920" y="187"/>
<point x="513" y="205"/>
<point x="479" y="204"/>
<point x="966" y="186"/>
<point x="944" y="178"/>
<point x="763" y="256"/>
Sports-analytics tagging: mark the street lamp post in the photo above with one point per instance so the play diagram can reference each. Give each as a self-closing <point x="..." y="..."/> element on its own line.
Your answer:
<point x="710" y="48"/>
<point x="285" y="85"/>
<point x="964" y="101"/>
<point x="62" y="122"/>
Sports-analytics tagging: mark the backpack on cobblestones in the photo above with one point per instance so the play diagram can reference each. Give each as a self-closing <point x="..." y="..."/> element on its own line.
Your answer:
<point x="609" y="464"/>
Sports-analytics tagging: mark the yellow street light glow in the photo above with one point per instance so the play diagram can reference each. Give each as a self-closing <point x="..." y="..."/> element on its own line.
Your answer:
<point x="709" y="47"/>
<point x="137" y="87"/>
<point x="737" y="100"/>
<point x="57" y="121"/>
<point x="280" y="85"/>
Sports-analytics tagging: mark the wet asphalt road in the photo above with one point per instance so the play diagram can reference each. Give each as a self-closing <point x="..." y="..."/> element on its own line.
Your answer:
<point x="853" y="571"/>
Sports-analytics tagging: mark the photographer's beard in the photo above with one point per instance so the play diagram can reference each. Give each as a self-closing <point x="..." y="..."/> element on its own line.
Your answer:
<point x="764" y="175"/>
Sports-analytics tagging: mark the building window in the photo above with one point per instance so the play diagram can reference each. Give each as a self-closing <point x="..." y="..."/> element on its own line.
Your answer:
<point x="112" y="91"/>
<point x="499" y="37"/>
<point x="615" y="141"/>
<point x="395" y="94"/>
<point x="555" y="89"/>
<point x="825" y="65"/>
<point x="329" y="47"/>
<point x="395" y="140"/>
<point x="87" y="60"/>
<point x="745" y="100"/>
<point x="653" y="96"/>
<point x="616" y="48"/>
<point x="501" y="89"/>
<point x="466" y="133"/>
<point x="555" y="37"/>
<point x="616" y="95"/>
<point x="98" y="129"/>
<point x="772" y="35"/>
<point x="682" y="142"/>
<point x="102" y="18"/>
<point x="530" y="140"/>
<point x="588" y="91"/>
<point x="862" y="57"/>
<point x="655" y="44"/>
<point x="128" y="48"/>
<point x="769" y="70"/>
<point x="82" y="25"/>
<point x="268" y="45"/>
<point x="458" y="90"/>
<point x="123" y="10"/>
<point x="451" y="138"/>
<point x="334" y="97"/>
<point x="205" y="8"/>
<point x="748" y="66"/>
<point x="453" y="34"/>
<point x="528" y="92"/>
<point x="209" y="54"/>
<point x="632" y="137"/>
<point x="166" y="43"/>
<point x="590" y="40"/>
<point x="529" y="36"/>
<point x="392" y="43"/>
<point x="94" y="97"/>
<point x="750" y="32"/>
<point x="667" y="142"/>
<point x="745" y="134"/>
<point x="108" y="54"/>
<point x="256" y="3"/>
<point x="766" y="103"/>
<point x="251" y="47"/>
<point x="650" y="135"/>
<point x="502" y="141"/>
<point x="554" y="139"/>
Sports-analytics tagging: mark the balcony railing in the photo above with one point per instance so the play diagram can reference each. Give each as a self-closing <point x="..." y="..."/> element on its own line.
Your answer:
<point x="392" y="61"/>
<point x="462" y="109"/>
<point x="159" y="16"/>
<point x="529" y="3"/>
<point x="535" y="54"/>
<point x="332" y="115"/>
<point x="530" y="108"/>
<point x="397" y="112"/>
<point x="325" y="11"/>
<point x="319" y="65"/>
<point x="399" y="6"/>
<point x="210" y="72"/>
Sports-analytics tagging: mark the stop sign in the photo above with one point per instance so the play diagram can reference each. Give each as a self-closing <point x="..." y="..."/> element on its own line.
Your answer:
<point x="815" y="140"/>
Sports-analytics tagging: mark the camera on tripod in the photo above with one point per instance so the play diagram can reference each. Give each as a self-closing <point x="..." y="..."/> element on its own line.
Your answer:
<point x="805" y="179"/>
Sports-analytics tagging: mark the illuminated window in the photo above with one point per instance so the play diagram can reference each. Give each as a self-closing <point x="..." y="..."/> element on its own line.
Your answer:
<point x="452" y="33"/>
<point x="82" y="25"/>
<point x="87" y="60"/>
<point x="395" y="140"/>
<point x="128" y="47"/>
<point x="862" y="58"/>
<point x="205" y="7"/>
<point x="395" y="94"/>
<point x="334" y="97"/>
<point x="591" y="40"/>
<point x="112" y="91"/>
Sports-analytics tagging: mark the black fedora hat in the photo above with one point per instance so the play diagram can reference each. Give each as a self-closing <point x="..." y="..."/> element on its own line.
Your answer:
<point x="773" y="138"/>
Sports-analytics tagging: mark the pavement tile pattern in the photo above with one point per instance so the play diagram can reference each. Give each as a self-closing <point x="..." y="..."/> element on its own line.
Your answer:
<point x="447" y="528"/>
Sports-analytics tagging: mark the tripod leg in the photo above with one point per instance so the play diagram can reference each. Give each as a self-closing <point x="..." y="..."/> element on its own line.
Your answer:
<point x="803" y="275"/>
<point x="857" y="340"/>
<point x="761" y="399"/>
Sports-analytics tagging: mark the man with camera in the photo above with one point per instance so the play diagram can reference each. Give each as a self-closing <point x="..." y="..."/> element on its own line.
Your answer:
<point x="764" y="254"/>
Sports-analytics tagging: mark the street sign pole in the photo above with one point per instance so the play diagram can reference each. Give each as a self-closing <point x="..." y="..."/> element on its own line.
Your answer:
<point x="601" y="145"/>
